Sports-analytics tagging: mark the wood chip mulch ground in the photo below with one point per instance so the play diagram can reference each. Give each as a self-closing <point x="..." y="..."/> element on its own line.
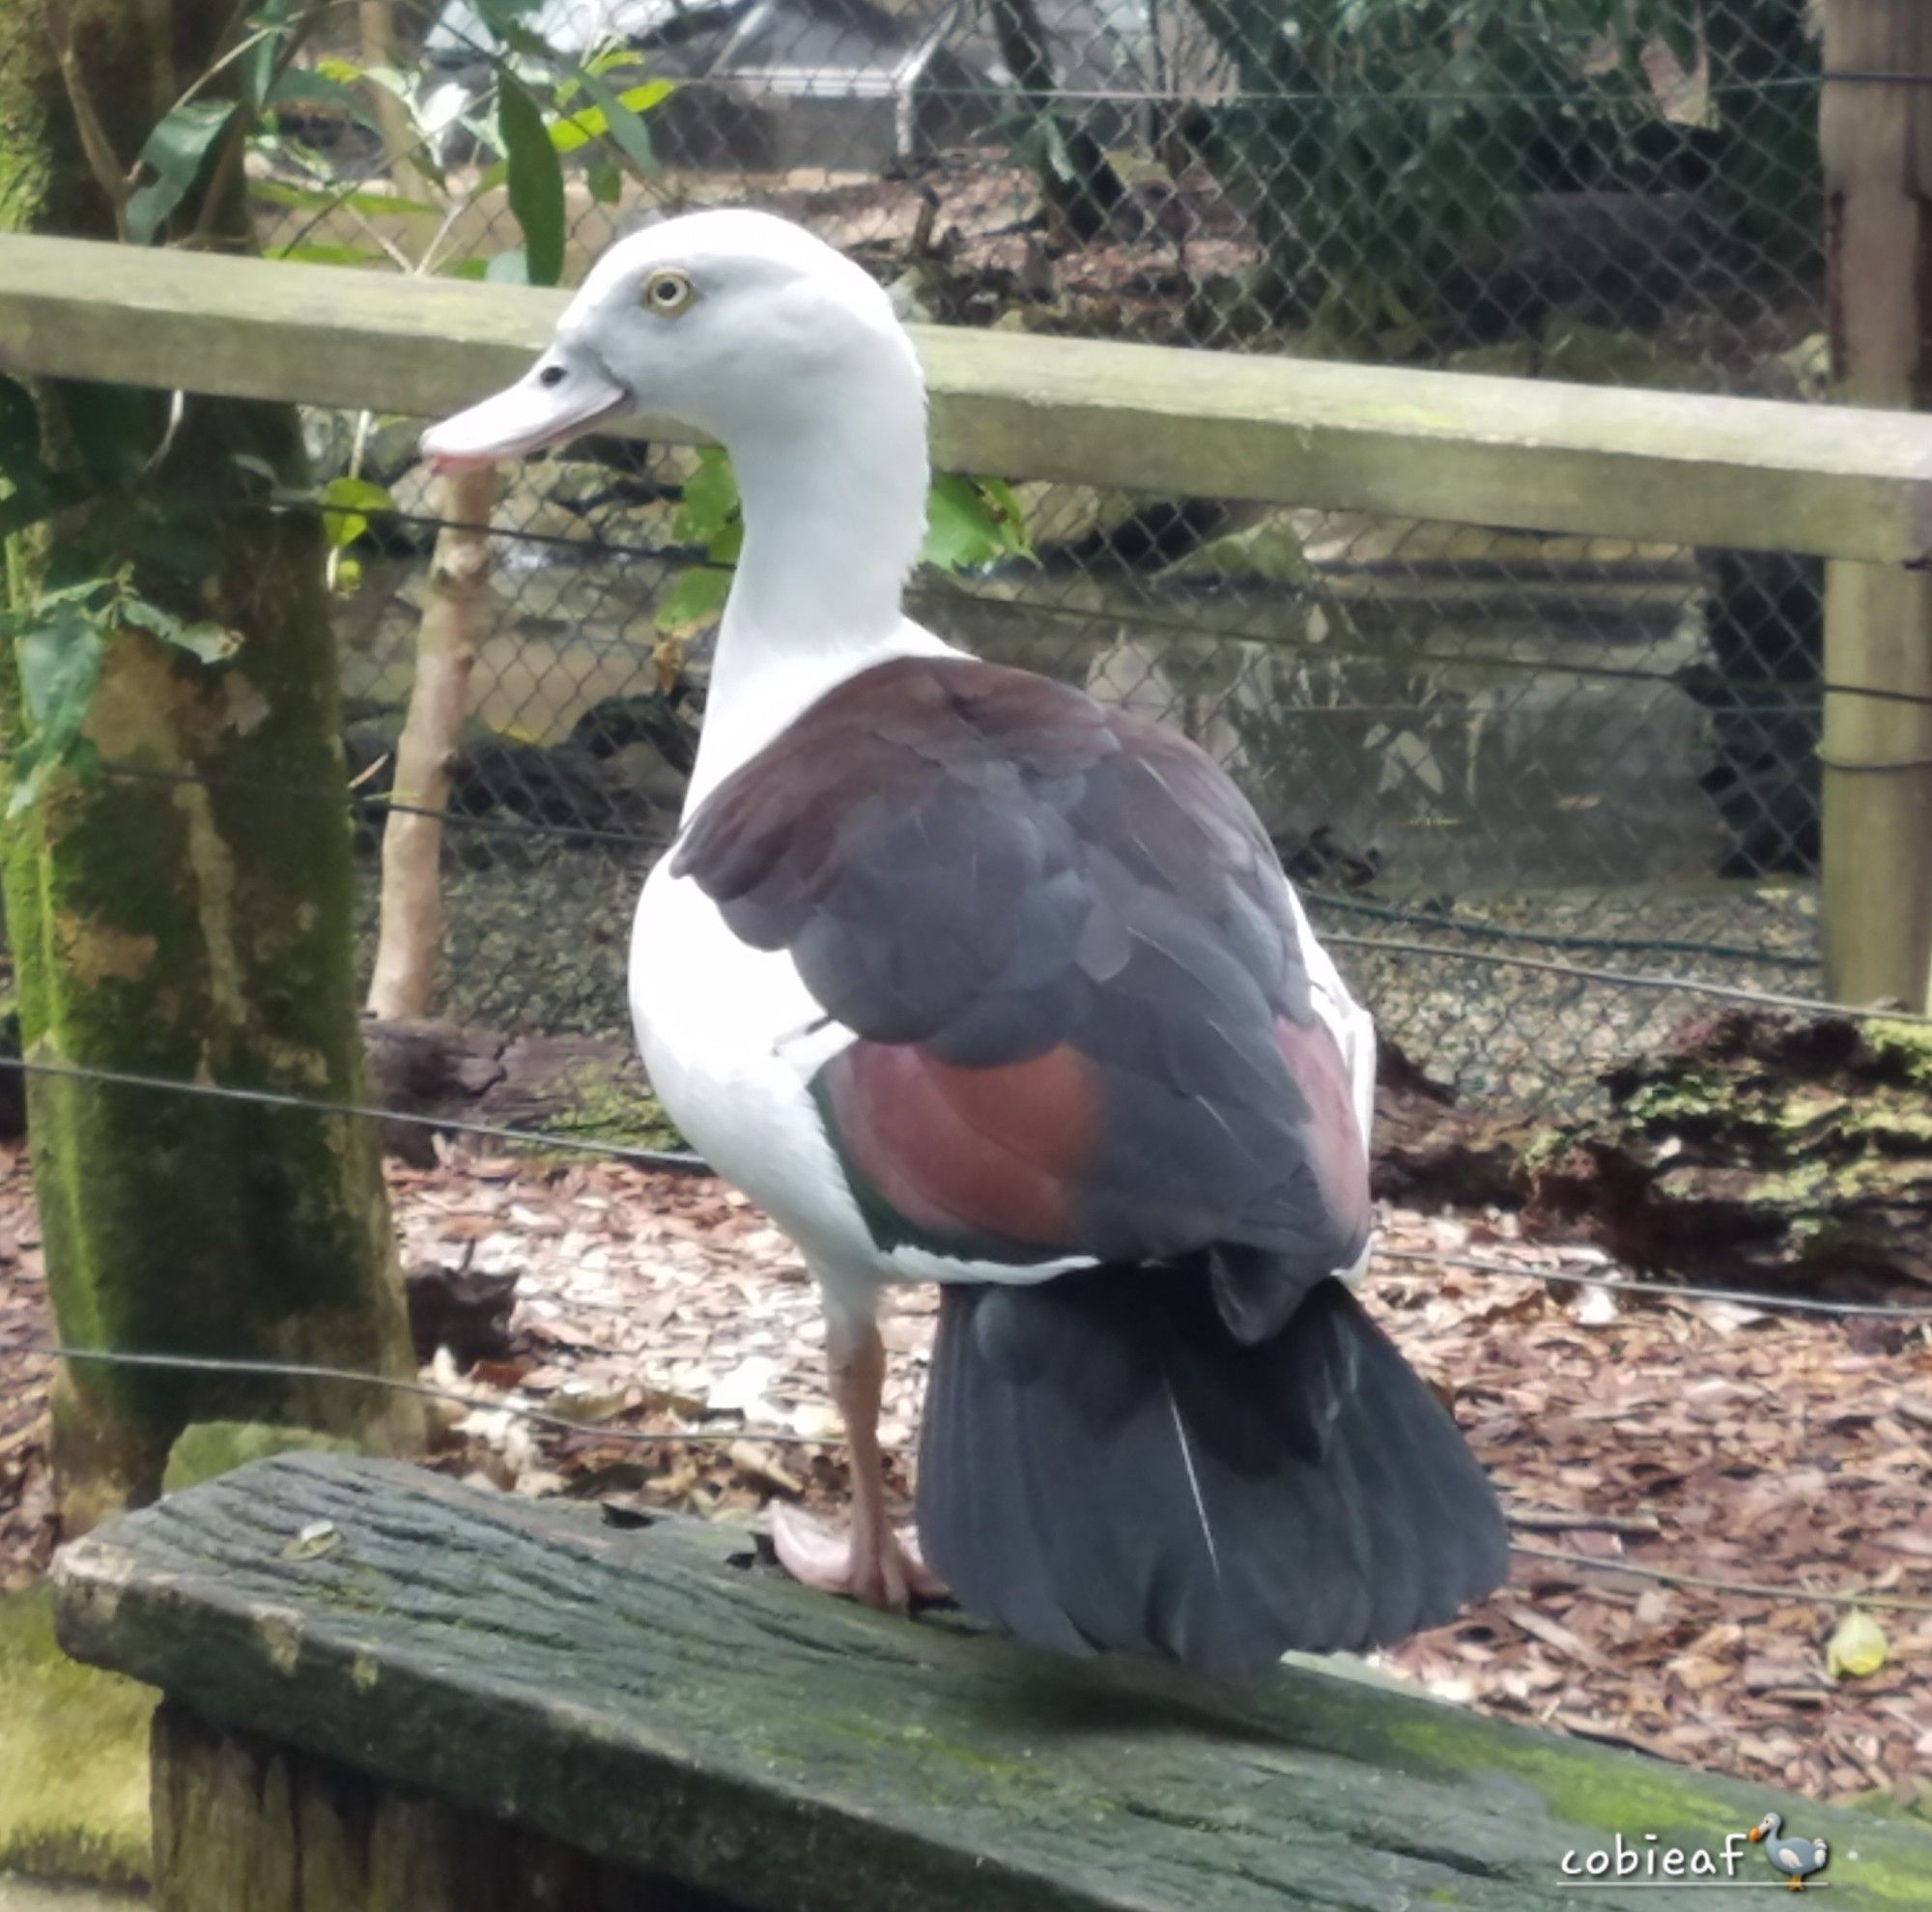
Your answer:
<point x="1646" y="1446"/>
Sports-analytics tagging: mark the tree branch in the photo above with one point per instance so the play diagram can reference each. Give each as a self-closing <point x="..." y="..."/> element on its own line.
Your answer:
<point x="96" y="149"/>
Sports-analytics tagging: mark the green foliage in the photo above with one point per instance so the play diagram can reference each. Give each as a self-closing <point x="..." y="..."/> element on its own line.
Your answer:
<point x="60" y="638"/>
<point x="535" y="179"/>
<point x="1391" y="146"/>
<point x="575" y="131"/>
<point x="177" y="151"/>
<point x="969" y="522"/>
<point x="540" y="107"/>
<point x="260" y="88"/>
<point x="348" y="505"/>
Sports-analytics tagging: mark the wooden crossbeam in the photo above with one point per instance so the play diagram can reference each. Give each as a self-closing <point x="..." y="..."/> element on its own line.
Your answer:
<point x="1681" y="468"/>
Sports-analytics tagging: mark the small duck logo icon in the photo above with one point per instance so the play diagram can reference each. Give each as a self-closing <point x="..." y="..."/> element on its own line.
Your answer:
<point x="1796" y="1857"/>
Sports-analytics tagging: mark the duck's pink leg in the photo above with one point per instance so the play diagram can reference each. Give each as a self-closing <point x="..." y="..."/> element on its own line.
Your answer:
<point x="870" y="1563"/>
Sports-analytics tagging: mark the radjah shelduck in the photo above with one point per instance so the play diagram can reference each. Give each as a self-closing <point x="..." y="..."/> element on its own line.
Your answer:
<point x="968" y="979"/>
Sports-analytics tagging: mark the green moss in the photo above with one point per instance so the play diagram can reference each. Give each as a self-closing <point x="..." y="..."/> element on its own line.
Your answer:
<point x="1912" y="1808"/>
<point x="1905" y="1046"/>
<point x="1683" y="1093"/>
<point x="1611" y="1793"/>
<point x="1544" y="1148"/>
<point x="208" y="1449"/>
<point x="74" y="1752"/>
<point x="604" y="1104"/>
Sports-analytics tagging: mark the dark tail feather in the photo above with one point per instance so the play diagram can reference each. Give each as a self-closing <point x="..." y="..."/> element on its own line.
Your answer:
<point x="1103" y="1465"/>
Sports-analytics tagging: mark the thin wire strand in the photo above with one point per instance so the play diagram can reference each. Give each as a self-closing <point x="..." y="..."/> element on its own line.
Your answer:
<point x="1562" y="939"/>
<point x="1532" y="1519"/>
<point x="680" y="1160"/>
<point x="1744" y="1297"/>
<point x="1638" y="980"/>
<point x="380" y="802"/>
<point x="1757" y="1589"/>
<point x="1631" y="978"/>
<point x="422" y="1390"/>
<point x="1813" y="690"/>
<point x="689" y="1162"/>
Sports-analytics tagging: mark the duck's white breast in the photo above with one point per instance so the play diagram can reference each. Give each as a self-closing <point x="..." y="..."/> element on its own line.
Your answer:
<point x="728" y="1037"/>
<point x="731" y="1039"/>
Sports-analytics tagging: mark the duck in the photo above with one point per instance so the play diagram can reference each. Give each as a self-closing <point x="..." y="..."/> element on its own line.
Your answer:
<point x="1796" y="1857"/>
<point x="967" y="979"/>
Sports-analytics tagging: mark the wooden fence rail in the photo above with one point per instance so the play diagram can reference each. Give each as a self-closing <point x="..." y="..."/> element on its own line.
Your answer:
<point x="1646" y="465"/>
<point x="1844" y="483"/>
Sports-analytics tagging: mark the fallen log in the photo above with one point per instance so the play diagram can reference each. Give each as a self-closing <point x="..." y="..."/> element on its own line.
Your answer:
<point x="1757" y="1148"/>
<point x="590" y="1088"/>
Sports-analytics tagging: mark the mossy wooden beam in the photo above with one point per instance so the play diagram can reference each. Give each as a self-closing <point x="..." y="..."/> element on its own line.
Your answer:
<point x="657" y="1700"/>
<point x="1643" y="465"/>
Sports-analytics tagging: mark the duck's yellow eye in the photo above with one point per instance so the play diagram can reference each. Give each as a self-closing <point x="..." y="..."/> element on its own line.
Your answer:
<point x="668" y="292"/>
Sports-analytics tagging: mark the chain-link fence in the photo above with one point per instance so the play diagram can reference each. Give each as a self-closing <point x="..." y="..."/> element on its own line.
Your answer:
<point x="1493" y="748"/>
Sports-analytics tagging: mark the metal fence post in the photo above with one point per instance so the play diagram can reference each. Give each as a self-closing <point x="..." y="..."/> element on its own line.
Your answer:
<point x="1876" y="132"/>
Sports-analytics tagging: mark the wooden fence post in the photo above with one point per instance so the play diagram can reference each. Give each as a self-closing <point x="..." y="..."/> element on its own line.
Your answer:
<point x="1876" y="754"/>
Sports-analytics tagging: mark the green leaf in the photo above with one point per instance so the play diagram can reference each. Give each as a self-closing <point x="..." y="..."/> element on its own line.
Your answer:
<point x="970" y="521"/>
<point x="694" y="600"/>
<point x="60" y="665"/>
<point x="605" y="181"/>
<point x="321" y="199"/>
<point x="302" y="86"/>
<point x="211" y="644"/>
<point x="575" y="131"/>
<point x="620" y="114"/>
<point x="710" y="501"/>
<point x="348" y="503"/>
<point x="176" y="151"/>
<point x="535" y="179"/>
<point x="263" y="49"/>
<point x="580" y="128"/>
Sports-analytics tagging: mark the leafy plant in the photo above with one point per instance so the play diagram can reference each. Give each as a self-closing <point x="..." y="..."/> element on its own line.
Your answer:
<point x="539" y="107"/>
<point x="60" y="640"/>
<point x="1389" y="148"/>
<point x="969" y="522"/>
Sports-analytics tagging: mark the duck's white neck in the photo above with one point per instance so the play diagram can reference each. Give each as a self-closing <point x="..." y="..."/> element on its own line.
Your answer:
<point x="833" y="494"/>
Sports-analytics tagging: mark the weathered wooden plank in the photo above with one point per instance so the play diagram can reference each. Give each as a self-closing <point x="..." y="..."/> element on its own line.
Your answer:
<point x="252" y="1825"/>
<point x="1643" y="465"/>
<point x="657" y="1700"/>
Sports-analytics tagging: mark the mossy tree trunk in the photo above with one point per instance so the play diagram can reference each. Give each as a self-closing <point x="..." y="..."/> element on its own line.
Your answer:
<point x="191" y="920"/>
